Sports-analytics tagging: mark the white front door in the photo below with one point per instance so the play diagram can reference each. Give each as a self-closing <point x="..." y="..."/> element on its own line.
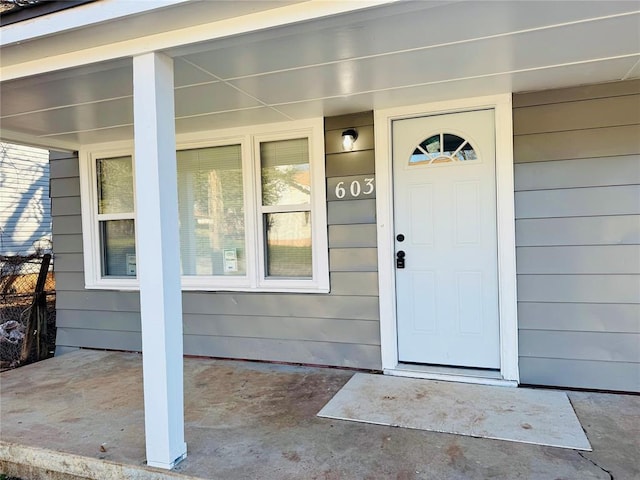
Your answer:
<point x="445" y="240"/>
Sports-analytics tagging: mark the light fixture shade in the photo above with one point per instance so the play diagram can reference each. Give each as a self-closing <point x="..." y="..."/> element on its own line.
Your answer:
<point x="349" y="137"/>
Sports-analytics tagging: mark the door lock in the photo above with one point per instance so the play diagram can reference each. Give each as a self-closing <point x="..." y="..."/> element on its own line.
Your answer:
<point x="400" y="259"/>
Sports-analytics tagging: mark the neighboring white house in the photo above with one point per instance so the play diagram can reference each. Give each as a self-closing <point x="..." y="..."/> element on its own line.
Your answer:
<point x="484" y="226"/>
<point x="25" y="206"/>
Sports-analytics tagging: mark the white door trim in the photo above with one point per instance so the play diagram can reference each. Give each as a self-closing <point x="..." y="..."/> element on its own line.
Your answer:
<point x="507" y="297"/>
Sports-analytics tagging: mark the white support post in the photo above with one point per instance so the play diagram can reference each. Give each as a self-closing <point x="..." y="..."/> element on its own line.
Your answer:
<point x="158" y="259"/>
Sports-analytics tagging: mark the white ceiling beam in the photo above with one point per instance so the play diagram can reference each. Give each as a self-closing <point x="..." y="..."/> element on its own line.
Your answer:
<point x="290" y="14"/>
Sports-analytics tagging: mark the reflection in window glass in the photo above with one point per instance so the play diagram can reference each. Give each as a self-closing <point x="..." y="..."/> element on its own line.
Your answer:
<point x="432" y="144"/>
<point x="118" y="242"/>
<point x="115" y="185"/>
<point x="451" y="144"/>
<point x="285" y="172"/>
<point x="442" y="148"/>
<point x="211" y="211"/>
<point x="288" y="242"/>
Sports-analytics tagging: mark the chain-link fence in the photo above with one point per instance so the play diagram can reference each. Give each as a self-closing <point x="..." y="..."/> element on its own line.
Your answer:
<point x="27" y="309"/>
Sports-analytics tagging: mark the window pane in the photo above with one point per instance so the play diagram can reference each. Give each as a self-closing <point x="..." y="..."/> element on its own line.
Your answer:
<point x="442" y="148"/>
<point x="458" y="146"/>
<point x="211" y="206"/>
<point x="115" y="185"/>
<point x="288" y="239"/>
<point x="118" y="248"/>
<point x="285" y="172"/>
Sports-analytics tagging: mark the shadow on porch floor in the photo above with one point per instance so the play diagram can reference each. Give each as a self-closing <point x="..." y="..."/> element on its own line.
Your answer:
<point x="80" y="416"/>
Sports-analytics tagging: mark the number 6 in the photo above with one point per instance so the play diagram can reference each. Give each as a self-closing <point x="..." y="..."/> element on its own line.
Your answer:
<point x="340" y="191"/>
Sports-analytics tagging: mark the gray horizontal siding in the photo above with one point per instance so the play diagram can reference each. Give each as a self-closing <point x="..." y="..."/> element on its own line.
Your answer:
<point x="577" y="115"/>
<point x="67" y="224"/>
<point x="68" y="243"/>
<point x="544" y="147"/>
<point x="320" y="353"/>
<point x="75" y="319"/>
<point x="600" y="346"/>
<point x="572" y="94"/>
<point x="351" y="163"/>
<point x="591" y="172"/>
<point x="104" y="338"/>
<point x="579" y="202"/>
<point x="353" y="259"/>
<point x="352" y="236"/>
<point x="203" y="303"/>
<point x="579" y="288"/>
<point x="599" y="259"/>
<point x="354" y="283"/>
<point x="577" y="179"/>
<point x="599" y="230"/>
<point x="283" y="305"/>
<point x="67" y="262"/>
<point x="349" y="212"/>
<point x="65" y="205"/>
<point x="64" y="166"/>
<point x="65" y="187"/>
<point x="69" y="280"/>
<point x="340" y="328"/>
<point x="580" y="317"/>
<point x="583" y="373"/>
<point x="290" y="328"/>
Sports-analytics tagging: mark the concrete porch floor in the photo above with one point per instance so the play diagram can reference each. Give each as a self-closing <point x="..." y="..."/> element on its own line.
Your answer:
<point x="246" y="420"/>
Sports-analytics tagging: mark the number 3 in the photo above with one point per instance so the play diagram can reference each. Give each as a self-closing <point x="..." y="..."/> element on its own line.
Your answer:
<point x="368" y="185"/>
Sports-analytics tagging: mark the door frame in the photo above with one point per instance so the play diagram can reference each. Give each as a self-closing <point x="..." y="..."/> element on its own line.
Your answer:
<point x="505" y="221"/>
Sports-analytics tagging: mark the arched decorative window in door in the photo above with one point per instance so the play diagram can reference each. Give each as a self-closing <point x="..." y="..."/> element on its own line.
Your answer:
<point x="443" y="148"/>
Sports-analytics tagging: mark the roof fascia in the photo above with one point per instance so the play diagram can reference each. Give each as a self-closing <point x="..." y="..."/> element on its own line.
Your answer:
<point x="79" y="17"/>
<point x="286" y="15"/>
<point x="22" y="13"/>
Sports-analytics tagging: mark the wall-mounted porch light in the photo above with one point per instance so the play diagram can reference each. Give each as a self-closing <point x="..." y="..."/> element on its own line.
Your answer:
<point x="349" y="137"/>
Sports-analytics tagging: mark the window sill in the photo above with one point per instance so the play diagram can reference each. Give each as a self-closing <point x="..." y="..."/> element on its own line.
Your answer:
<point x="134" y="287"/>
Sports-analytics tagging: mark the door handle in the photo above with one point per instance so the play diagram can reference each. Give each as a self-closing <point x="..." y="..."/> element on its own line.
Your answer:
<point x="400" y="259"/>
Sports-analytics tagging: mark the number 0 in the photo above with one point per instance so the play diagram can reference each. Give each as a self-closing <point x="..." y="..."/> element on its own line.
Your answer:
<point x="355" y="188"/>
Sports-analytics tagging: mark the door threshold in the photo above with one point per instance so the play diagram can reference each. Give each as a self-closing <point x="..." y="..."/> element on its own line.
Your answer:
<point x="450" y="374"/>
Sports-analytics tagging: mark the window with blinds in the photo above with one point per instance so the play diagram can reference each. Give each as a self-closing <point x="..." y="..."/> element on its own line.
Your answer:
<point x="211" y="209"/>
<point x="251" y="211"/>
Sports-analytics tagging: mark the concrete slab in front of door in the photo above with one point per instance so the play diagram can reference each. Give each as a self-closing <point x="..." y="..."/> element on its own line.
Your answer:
<point x="540" y="417"/>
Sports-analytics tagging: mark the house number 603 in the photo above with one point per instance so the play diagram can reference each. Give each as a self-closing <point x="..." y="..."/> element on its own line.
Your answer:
<point x="355" y="188"/>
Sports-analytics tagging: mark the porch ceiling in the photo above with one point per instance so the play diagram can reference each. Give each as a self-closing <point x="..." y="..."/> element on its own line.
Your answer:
<point x="389" y="55"/>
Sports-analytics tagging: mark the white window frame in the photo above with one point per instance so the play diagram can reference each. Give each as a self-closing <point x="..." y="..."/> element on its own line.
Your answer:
<point x="316" y="204"/>
<point x="249" y="138"/>
<point x="231" y="282"/>
<point x="91" y="218"/>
